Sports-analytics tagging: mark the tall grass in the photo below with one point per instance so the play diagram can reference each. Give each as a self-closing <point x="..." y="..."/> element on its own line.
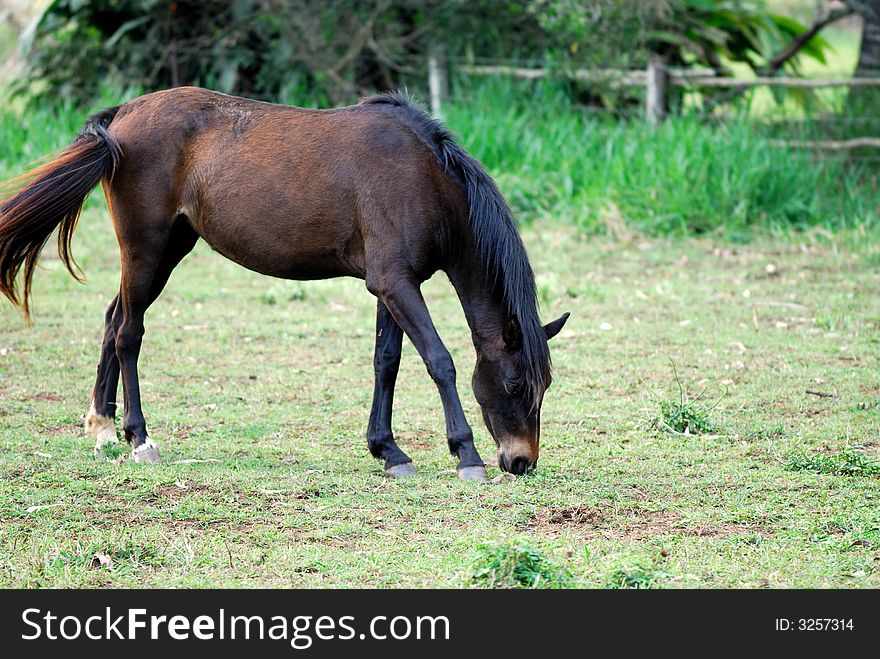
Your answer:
<point x="29" y="132"/>
<point x="688" y="175"/>
<point x="556" y="161"/>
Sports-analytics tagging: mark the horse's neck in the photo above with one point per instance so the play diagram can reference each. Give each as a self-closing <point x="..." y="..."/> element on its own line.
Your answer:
<point x="481" y="300"/>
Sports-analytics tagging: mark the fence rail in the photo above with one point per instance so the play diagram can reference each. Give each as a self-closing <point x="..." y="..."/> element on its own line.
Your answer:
<point x="780" y="81"/>
<point x="656" y="78"/>
<point x="676" y="76"/>
<point x="622" y="77"/>
<point x="832" y="145"/>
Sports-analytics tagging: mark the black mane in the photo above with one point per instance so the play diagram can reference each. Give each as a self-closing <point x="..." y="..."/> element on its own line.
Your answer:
<point x="498" y="241"/>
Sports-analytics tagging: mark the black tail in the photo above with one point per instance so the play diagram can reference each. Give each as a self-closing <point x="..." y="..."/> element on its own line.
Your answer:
<point x="52" y="197"/>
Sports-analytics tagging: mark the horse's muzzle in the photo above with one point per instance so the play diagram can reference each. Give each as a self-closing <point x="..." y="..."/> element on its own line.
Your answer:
<point x="518" y="465"/>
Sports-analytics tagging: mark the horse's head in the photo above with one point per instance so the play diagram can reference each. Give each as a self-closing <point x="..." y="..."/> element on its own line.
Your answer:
<point x="510" y="395"/>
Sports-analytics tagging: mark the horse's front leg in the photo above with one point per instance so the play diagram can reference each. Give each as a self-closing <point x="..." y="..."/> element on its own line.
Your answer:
<point x="386" y="361"/>
<point x="404" y="300"/>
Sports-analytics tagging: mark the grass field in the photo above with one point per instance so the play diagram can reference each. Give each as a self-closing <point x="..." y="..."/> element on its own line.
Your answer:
<point x="271" y="381"/>
<point x="754" y="482"/>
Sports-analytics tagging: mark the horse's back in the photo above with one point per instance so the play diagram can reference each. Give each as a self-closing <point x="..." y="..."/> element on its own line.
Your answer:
<point x="286" y="191"/>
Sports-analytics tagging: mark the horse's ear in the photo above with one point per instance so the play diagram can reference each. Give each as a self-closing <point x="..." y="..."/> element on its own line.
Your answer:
<point x="512" y="334"/>
<point x="553" y="328"/>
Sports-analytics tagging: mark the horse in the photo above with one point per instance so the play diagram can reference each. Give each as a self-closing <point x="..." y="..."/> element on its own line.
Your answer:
<point x="379" y="190"/>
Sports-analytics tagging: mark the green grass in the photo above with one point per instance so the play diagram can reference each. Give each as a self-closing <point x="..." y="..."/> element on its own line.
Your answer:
<point x="683" y="418"/>
<point x="846" y="462"/>
<point x="516" y="564"/>
<point x="278" y="394"/>
<point x="556" y="162"/>
<point x="636" y="577"/>
<point x="267" y="383"/>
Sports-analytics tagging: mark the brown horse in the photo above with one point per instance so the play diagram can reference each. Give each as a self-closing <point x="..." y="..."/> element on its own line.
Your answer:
<point x="378" y="191"/>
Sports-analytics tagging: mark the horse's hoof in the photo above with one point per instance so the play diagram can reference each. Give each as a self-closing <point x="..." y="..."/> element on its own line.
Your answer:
<point x="147" y="452"/>
<point x="477" y="474"/>
<point x="403" y="470"/>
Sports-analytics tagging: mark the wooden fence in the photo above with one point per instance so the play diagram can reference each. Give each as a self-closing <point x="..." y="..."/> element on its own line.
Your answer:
<point x="656" y="78"/>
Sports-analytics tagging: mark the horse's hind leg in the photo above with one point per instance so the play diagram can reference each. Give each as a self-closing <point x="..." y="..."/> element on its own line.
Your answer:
<point x="386" y="361"/>
<point x="99" y="420"/>
<point x="178" y="243"/>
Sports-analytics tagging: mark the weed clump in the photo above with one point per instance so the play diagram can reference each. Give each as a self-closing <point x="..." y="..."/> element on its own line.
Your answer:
<point x="847" y="462"/>
<point x="685" y="416"/>
<point x="636" y="577"/>
<point x="517" y="564"/>
<point x="760" y="433"/>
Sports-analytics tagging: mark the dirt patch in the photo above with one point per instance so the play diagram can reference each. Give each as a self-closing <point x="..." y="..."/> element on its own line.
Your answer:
<point x="176" y="491"/>
<point x="643" y="524"/>
<point x="132" y="517"/>
<point x="46" y="397"/>
<point x="417" y="444"/>
<point x="576" y="516"/>
<point x="162" y="493"/>
<point x="604" y="521"/>
<point x="110" y="498"/>
<point x="57" y="429"/>
<point x="816" y="411"/>
<point x="420" y="439"/>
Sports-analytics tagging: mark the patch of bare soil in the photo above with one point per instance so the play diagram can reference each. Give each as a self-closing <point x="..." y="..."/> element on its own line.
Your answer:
<point x="576" y="516"/>
<point x="132" y="517"/>
<point x="605" y="521"/>
<point x="46" y="397"/>
<point x="161" y="494"/>
<point x="176" y="491"/>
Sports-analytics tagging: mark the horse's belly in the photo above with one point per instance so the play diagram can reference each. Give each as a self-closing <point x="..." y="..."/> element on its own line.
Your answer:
<point x="276" y="219"/>
<point x="286" y="250"/>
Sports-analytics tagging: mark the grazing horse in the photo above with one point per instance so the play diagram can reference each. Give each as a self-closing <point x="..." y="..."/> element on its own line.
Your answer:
<point x="378" y="191"/>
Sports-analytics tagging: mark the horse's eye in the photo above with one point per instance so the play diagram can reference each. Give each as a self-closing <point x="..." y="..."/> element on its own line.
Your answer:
<point x="512" y="388"/>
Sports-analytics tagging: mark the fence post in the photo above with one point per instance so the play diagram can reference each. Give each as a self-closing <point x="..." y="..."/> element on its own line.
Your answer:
<point x="655" y="97"/>
<point x="438" y="83"/>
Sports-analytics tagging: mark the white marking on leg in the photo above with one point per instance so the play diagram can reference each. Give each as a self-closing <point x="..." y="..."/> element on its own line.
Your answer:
<point x="102" y="427"/>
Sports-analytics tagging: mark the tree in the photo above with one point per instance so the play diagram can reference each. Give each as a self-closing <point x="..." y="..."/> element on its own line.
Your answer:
<point x="313" y="50"/>
<point x="331" y="51"/>
<point x="869" y="53"/>
<point x="866" y="100"/>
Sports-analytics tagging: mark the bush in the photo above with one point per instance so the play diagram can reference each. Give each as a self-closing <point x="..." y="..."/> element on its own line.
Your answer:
<point x="317" y="51"/>
<point x="336" y="49"/>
